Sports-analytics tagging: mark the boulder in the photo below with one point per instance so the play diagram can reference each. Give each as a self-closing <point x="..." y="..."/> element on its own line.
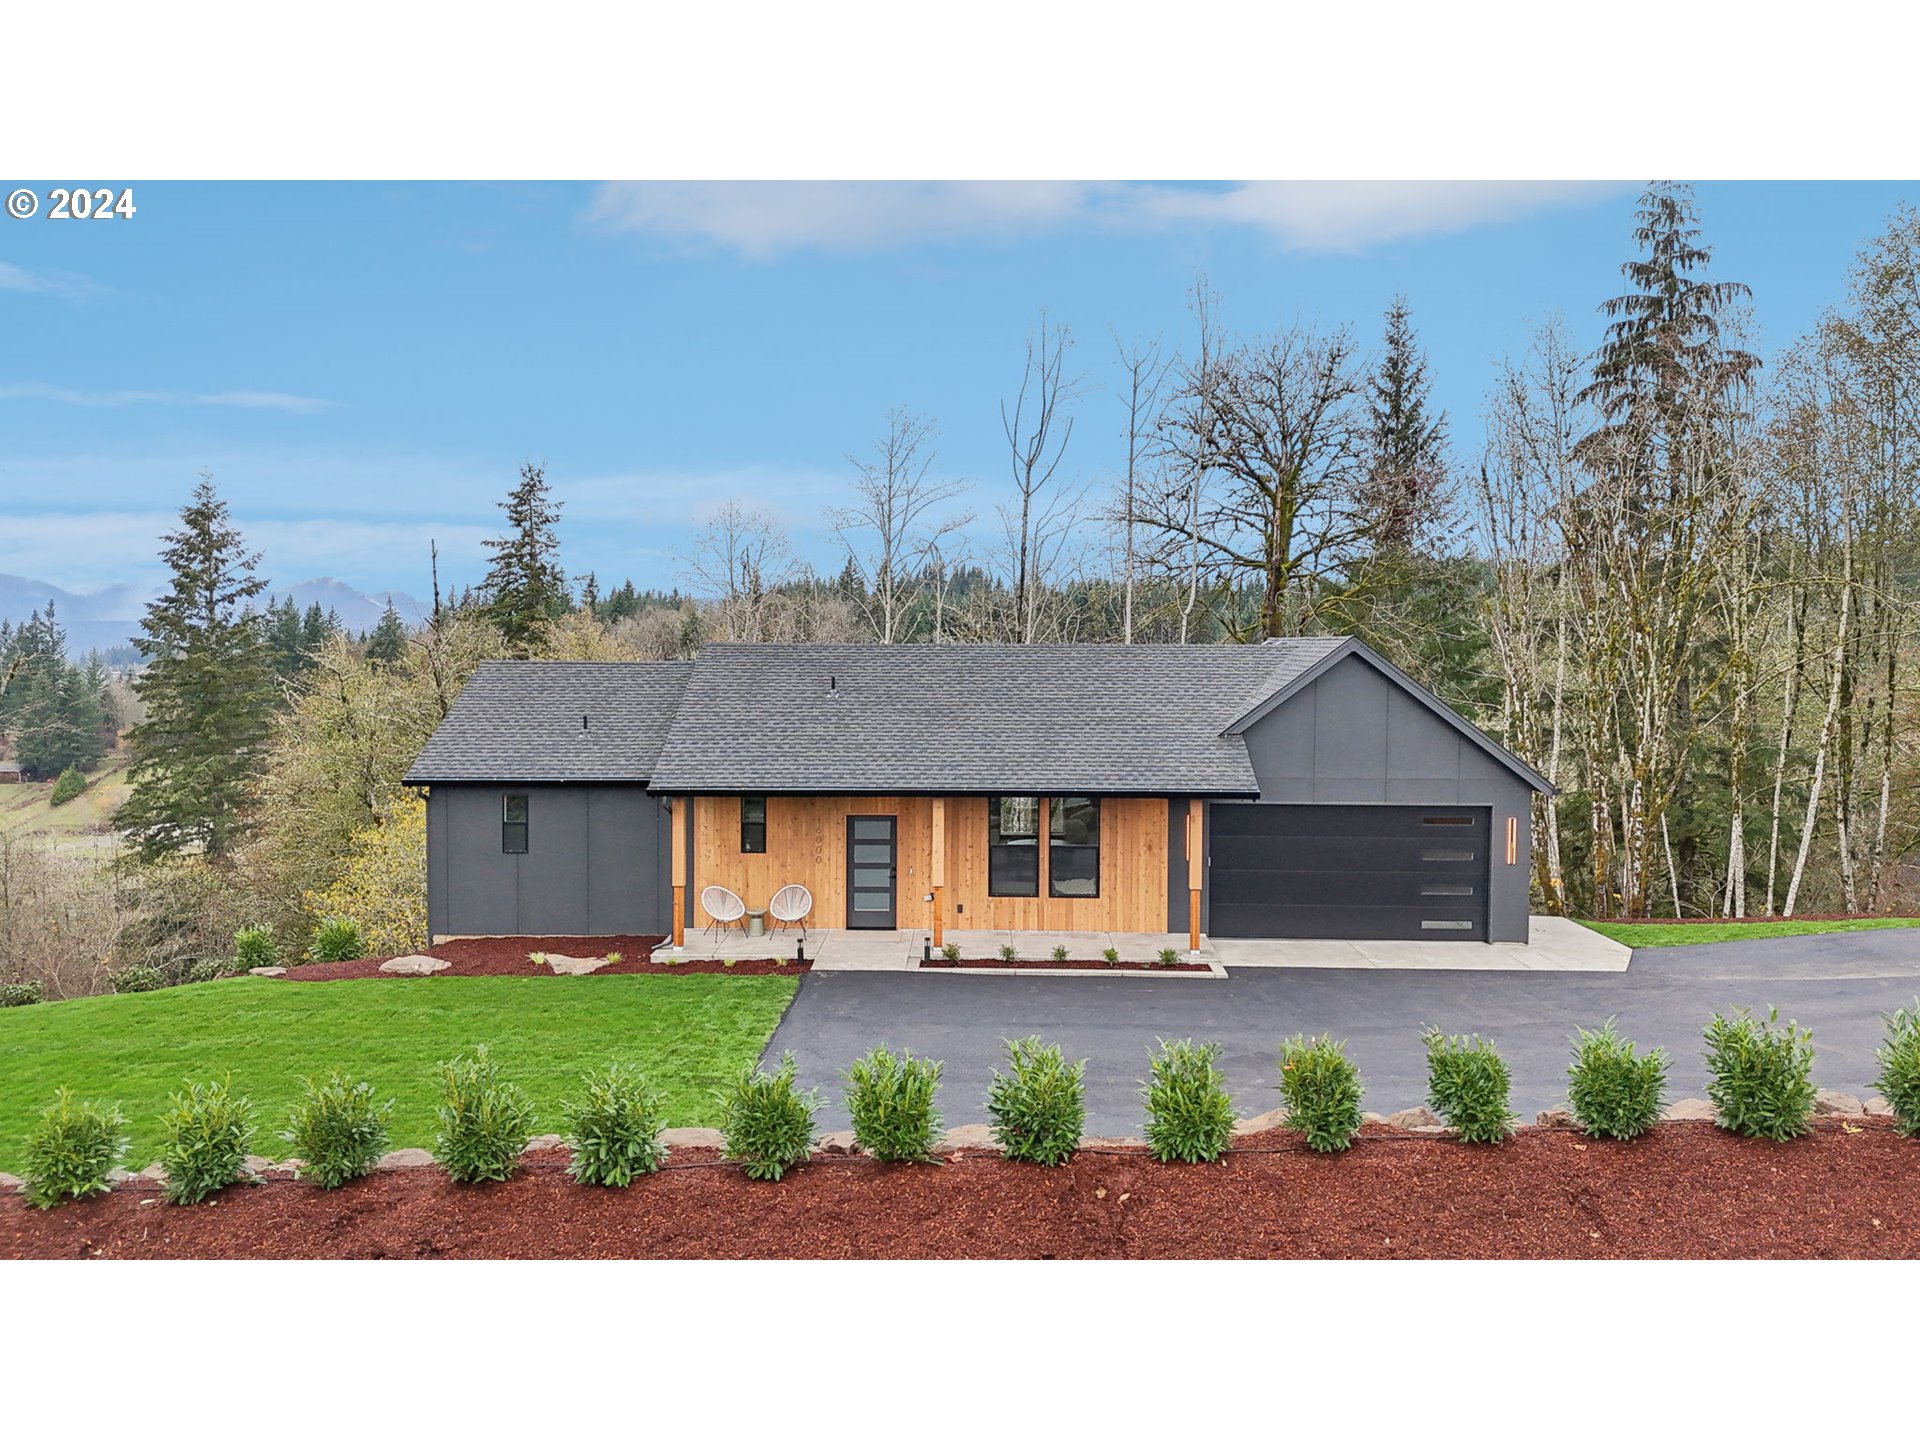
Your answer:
<point x="1418" y="1118"/>
<point x="574" y="964"/>
<point x="271" y="972"/>
<point x="155" y="1172"/>
<point x="414" y="965"/>
<point x="1877" y="1105"/>
<point x="11" y="1182"/>
<point x="290" y="1166"/>
<point x="1689" y="1109"/>
<point x="1256" y="1124"/>
<point x="1372" y="1117"/>
<point x="404" y="1159"/>
<point x="1837" y="1102"/>
<point x="256" y="1165"/>
<point x="119" y="1175"/>
<point x="836" y="1142"/>
<point x="692" y="1137"/>
<point x="969" y="1137"/>
<point x="1557" y="1117"/>
<point x="543" y="1142"/>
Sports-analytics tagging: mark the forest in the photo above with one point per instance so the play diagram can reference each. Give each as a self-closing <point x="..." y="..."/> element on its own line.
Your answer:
<point x="1676" y="574"/>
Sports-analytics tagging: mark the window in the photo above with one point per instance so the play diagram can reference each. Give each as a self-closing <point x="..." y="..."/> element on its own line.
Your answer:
<point x="1013" y="845"/>
<point x="1073" y="846"/>
<point x="753" y="824"/>
<point x="513" y="824"/>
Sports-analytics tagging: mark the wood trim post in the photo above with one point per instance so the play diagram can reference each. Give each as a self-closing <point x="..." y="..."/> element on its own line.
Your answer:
<point x="1196" y="833"/>
<point x="677" y="818"/>
<point x="939" y="871"/>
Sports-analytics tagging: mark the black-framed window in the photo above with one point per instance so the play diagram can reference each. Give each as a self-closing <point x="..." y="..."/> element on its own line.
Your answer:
<point x="513" y="824"/>
<point x="1013" y="845"/>
<point x="753" y="824"/>
<point x="1073" y="846"/>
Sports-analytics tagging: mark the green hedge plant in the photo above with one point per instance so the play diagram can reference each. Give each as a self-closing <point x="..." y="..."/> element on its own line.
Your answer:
<point x="1321" y="1087"/>
<point x="254" y="946"/>
<point x="72" y="1150"/>
<point x="23" y="992"/>
<point x="1038" y="1109"/>
<point x="1762" y="1073"/>
<point x="135" y="979"/>
<point x="890" y="1098"/>
<point x="208" y="1131"/>
<point x="71" y="784"/>
<point x="339" y="1130"/>
<point x="1189" y="1112"/>
<point x="485" y="1122"/>
<point x="336" y="938"/>
<point x="1615" y="1093"/>
<point x="613" y="1129"/>
<point x="1468" y="1084"/>
<point x="201" y="971"/>
<point x="768" y="1120"/>
<point x="1899" y="1061"/>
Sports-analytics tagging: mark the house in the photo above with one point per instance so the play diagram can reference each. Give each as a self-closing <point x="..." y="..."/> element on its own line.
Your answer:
<point x="1296" y="788"/>
<point x="10" y="773"/>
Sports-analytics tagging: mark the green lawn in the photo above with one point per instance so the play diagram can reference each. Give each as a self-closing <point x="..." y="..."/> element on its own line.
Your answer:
<point x="1647" y="937"/>
<point x="686" y="1033"/>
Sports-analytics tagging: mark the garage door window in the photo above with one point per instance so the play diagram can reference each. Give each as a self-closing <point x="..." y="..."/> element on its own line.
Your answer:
<point x="513" y="824"/>
<point x="1073" y="846"/>
<point x="1013" y="845"/>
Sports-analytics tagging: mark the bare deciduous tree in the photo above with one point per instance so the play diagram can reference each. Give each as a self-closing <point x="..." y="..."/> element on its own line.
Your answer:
<point x="894" y="530"/>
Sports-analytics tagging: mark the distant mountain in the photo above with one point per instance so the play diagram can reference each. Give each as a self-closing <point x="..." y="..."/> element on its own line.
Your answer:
<point x="107" y="620"/>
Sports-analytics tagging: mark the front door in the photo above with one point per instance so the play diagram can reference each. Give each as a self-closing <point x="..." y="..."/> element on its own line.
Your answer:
<point x="871" y="861"/>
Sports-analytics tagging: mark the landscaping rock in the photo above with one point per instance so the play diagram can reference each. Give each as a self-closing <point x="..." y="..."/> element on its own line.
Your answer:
<point x="11" y="1182"/>
<point x="543" y="1142"/>
<point x="290" y="1166"/>
<point x="1837" y="1102"/>
<point x="574" y="964"/>
<point x="1256" y="1124"/>
<point x="969" y="1137"/>
<point x="1112" y="1142"/>
<point x="404" y="1159"/>
<point x="1372" y="1117"/>
<point x="693" y="1137"/>
<point x="414" y="965"/>
<point x="1877" y="1105"/>
<point x="1689" y="1109"/>
<point x="256" y="1165"/>
<point x="1557" y="1117"/>
<point x="1418" y="1118"/>
<point x="119" y="1175"/>
<point x="271" y="972"/>
<point x="836" y="1142"/>
<point x="155" y="1172"/>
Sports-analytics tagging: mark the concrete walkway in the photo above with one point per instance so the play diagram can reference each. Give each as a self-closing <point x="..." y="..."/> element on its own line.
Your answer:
<point x="1552" y="944"/>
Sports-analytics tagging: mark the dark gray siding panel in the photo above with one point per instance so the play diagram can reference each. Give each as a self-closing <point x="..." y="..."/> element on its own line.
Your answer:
<point x="1355" y="737"/>
<point x="596" y="862"/>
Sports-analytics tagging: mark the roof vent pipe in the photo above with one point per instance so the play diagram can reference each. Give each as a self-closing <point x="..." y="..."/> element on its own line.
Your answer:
<point x="583" y="724"/>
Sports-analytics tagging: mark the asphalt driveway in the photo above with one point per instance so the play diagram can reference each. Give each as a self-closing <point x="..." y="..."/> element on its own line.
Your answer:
<point x="1837" y="984"/>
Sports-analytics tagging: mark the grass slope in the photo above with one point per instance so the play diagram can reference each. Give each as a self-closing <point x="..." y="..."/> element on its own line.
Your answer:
<point x="686" y="1033"/>
<point x="1648" y="937"/>
<point x="27" y="811"/>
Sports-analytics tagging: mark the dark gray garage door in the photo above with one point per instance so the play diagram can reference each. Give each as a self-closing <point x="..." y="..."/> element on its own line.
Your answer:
<point x="1350" y="872"/>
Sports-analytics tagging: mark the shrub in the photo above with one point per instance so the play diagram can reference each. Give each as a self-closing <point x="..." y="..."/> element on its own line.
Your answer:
<point x="1189" y="1113"/>
<point x="336" y="938"/>
<point x="1039" y="1107"/>
<point x="951" y="951"/>
<point x="891" y="1100"/>
<point x="728" y="962"/>
<point x="767" y="1121"/>
<point x="484" y="1122"/>
<point x="338" y="1130"/>
<point x="1467" y="1082"/>
<point x="1900" y="1068"/>
<point x="202" y="971"/>
<point x="1110" y="955"/>
<point x="254" y="946"/>
<point x="613" y="957"/>
<point x="72" y="1150"/>
<point x="1615" y="1094"/>
<point x="71" y="783"/>
<point x="1169" y="956"/>
<point x="1007" y="952"/>
<point x="26" y="992"/>
<point x="1321" y="1087"/>
<point x="208" y="1131"/>
<point x="133" y="979"/>
<point x="1762" y="1073"/>
<point x="1059" y="952"/>
<point x="614" y="1129"/>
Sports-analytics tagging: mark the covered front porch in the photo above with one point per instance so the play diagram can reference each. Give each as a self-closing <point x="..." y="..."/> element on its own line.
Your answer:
<point x="836" y="949"/>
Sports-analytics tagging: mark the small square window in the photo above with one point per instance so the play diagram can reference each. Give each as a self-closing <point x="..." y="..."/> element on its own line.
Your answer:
<point x="513" y="824"/>
<point x="753" y="824"/>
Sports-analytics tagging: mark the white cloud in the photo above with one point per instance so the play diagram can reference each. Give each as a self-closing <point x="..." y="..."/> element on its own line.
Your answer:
<point x="763" y="219"/>
<point x="62" y="283"/>
<point x="113" y="399"/>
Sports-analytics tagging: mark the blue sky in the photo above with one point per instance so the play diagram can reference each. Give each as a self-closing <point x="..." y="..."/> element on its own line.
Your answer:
<point x="363" y="367"/>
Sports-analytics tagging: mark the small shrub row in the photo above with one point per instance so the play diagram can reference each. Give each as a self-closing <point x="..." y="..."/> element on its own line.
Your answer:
<point x="24" y="992"/>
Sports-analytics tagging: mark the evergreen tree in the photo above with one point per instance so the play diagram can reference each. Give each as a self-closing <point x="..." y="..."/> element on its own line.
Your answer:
<point x="388" y="643"/>
<point x="590" y="594"/>
<point x="208" y="689"/>
<point x="525" y="588"/>
<point x="1406" y="467"/>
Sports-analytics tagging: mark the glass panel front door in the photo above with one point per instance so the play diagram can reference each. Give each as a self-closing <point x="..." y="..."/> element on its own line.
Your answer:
<point x="872" y="860"/>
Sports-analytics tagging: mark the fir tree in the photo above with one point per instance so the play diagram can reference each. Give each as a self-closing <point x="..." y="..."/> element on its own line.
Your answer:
<point x="388" y="643"/>
<point x="1406" y="466"/>
<point x="525" y="589"/>
<point x="208" y="689"/>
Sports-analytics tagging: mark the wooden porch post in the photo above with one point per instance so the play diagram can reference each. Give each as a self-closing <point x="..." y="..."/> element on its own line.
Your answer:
<point x="1196" y="832"/>
<point x="939" y="871"/>
<point x="677" y="817"/>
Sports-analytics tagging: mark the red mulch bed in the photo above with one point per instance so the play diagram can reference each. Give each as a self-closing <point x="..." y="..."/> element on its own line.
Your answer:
<point x="1688" y="1190"/>
<point x="507" y="955"/>
<point x="940" y="962"/>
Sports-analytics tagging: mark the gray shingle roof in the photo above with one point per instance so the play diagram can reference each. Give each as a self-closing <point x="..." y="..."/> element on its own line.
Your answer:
<point x="1104" y="719"/>
<point x="520" y="720"/>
